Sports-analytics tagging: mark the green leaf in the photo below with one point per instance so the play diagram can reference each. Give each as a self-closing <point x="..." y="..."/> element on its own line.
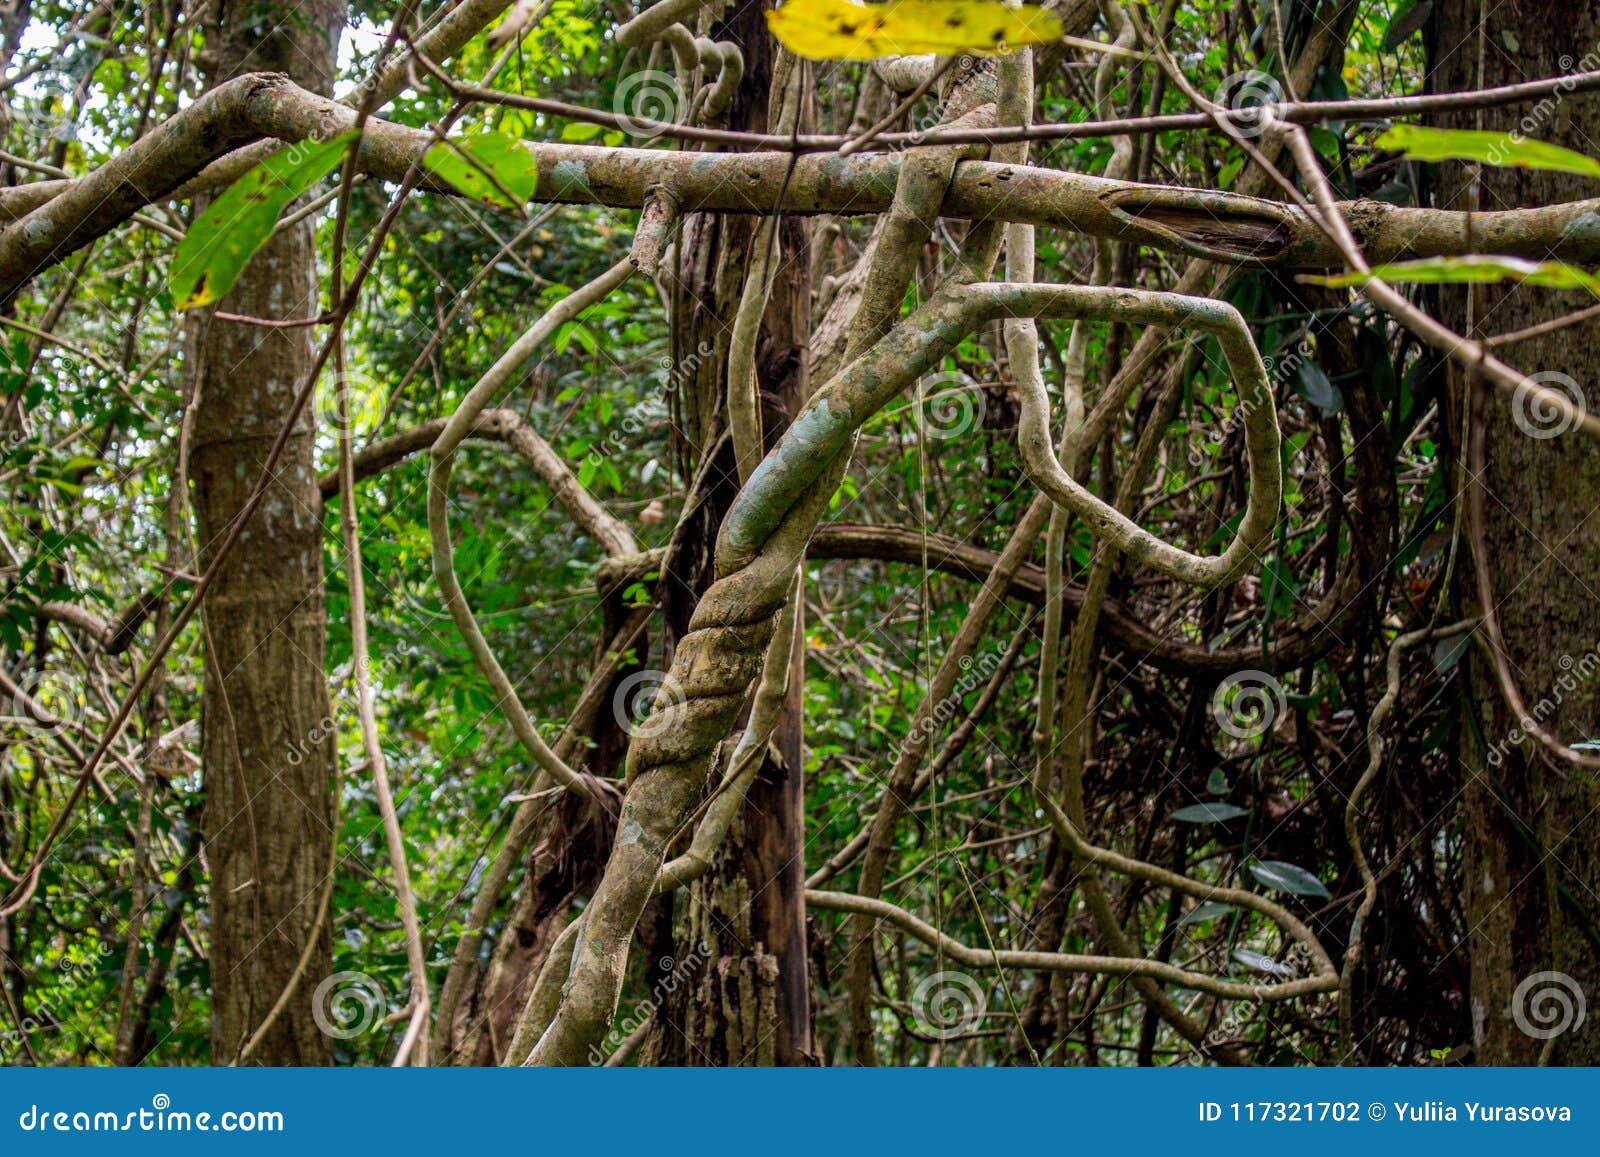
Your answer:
<point x="1207" y="910"/>
<point x="1208" y="813"/>
<point x="1278" y="587"/>
<point x="1473" y="269"/>
<point x="1217" y="782"/>
<point x="1447" y="652"/>
<point x="1282" y="876"/>
<point x="579" y="131"/>
<point x="1313" y="385"/>
<point x="490" y="167"/>
<point x="215" y="249"/>
<point x="1502" y="149"/>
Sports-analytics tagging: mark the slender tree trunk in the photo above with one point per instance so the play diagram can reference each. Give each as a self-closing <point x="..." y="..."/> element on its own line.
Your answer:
<point x="267" y="749"/>
<point x="1533" y="864"/>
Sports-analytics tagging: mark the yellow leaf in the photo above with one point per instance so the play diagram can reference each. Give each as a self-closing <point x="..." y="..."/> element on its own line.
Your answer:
<point x="842" y="30"/>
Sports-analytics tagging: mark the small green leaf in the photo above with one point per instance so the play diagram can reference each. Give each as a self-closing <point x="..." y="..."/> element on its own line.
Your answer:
<point x="1207" y="910"/>
<point x="1208" y="813"/>
<point x="490" y="167"/>
<point x="1447" y="652"/>
<point x="1282" y="876"/>
<point x="1217" y="782"/>
<point x="1491" y="148"/>
<point x="1313" y="385"/>
<point x="579" y="131"/>
<point x="1473" y="269"/>
<point x="215" y="249"/>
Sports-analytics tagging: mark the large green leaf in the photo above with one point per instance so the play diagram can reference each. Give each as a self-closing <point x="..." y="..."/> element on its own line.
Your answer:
<point x="1491" y="148"/>
<point x="1208" y="813"/>
<point x="491" y="167"/>
<point x="1286" y="877"/>
<point x="1207" y="910"/>
<point x="215" y="249"/>
<point x="1474" y="268"/>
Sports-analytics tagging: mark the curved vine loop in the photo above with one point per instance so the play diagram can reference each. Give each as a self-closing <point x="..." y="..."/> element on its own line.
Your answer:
<point x="761" y="542"/>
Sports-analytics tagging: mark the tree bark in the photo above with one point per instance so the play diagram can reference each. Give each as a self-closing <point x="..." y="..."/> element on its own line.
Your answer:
<point x="742" y="996"/>
<point x="267" y="745"/>
<point x="1533" y="865"/>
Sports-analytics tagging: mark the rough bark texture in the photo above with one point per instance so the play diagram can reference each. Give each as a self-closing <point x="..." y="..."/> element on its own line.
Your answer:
<point x="1533" y="867"/>
<point x="740" y="941"/>
<point x="268" y="753"/>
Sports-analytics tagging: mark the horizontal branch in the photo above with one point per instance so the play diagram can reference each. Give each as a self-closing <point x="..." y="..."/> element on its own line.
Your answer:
<point x="113" y="636"/>
<point x="1064" y="961"/>
<point x="51" y="219"/>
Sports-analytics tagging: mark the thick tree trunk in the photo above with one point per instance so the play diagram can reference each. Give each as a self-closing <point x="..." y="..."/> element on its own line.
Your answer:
<point x="267" y="747"/>
<point x="1533" y="863"/>
<point x="740" y="994"/>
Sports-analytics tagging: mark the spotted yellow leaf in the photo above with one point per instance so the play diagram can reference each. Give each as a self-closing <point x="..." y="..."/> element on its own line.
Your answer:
<point x="842" y="30"/>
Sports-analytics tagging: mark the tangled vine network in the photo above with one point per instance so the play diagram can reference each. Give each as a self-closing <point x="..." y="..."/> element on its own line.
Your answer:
<point x="988" y="534"/>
